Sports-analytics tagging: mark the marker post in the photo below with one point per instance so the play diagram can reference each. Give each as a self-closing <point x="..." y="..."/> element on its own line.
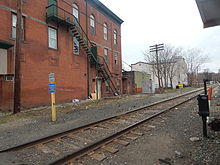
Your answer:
<point x="52" y="91"/>
<point x="53" y="104"/>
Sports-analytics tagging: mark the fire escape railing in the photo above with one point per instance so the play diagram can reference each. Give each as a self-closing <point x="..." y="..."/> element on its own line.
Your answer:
<point x="61" y="16"/>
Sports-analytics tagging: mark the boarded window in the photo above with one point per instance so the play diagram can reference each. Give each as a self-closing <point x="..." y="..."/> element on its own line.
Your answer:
<point x="3" y="61"/>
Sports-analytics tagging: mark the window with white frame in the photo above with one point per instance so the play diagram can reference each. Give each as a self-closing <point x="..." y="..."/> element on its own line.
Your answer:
<point x="92" y="24"/>
<point x="105" y="31"/>
<point x="14" y="24"/>
<point x="14" y="21"/>
<point x="9" y="77"/>
<point x="75" y="46"/>
<point x="115" y="37"/>
<point x="75" y="12"/>
<point x="52" y="38"/>
<point x="106" y="55"/>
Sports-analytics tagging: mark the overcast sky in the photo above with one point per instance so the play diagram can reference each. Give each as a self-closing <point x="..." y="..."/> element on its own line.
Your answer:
<point x="176" y="22"/>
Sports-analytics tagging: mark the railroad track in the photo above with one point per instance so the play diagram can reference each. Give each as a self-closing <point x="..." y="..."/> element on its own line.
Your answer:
<point x="96" y="138"/>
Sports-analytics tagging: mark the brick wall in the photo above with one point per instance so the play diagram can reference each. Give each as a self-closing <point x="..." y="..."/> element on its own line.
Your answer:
<point x="38" y="60"/>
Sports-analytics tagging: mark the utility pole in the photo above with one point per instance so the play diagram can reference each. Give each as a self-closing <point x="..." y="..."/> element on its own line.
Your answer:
<point x="17" y="81"/>
<point x="156" y="48"/>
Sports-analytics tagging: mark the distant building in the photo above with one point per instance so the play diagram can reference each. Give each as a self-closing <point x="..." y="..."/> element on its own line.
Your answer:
<point x="211" y="76"/>
<point x="137" y="82"/>
<point x="180" y="71"/>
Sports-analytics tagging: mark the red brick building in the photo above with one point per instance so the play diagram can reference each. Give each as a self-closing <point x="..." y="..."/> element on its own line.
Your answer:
<point x="78" y="40"/>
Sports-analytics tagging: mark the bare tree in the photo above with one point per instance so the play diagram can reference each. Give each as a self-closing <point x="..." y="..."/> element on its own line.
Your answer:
<point x="195" y="58"/>
<point x="155" y="61"/>
<point x="166" y="64"/>
<point x="174" y="53"/>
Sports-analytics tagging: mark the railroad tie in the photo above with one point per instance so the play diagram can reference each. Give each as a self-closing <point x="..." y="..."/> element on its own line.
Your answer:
<point x="110" y="149"/>
<point x="97" y="156"/>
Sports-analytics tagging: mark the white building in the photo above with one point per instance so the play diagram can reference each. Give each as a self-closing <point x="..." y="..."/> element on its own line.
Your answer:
<point x="180" y="71"/>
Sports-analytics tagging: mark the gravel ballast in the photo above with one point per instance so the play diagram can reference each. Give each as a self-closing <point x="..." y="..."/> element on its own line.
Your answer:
<point x="32" y="125"/>
<point x="168" y="141"/>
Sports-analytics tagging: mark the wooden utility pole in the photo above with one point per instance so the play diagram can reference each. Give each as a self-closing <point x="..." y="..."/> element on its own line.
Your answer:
<point x="156" y="48"/>
<point x="17" y="82"/>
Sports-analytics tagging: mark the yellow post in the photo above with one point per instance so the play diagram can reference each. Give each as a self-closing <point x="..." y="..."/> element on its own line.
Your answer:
<point x="54" y="114"/>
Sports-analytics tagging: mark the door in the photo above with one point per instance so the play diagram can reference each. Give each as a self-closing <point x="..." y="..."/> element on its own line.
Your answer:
<point x="147" y="86"/>
<point x="99" y="88"/>
<point x="52" y="10"/>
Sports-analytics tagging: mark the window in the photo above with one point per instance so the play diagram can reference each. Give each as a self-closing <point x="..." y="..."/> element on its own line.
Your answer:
<point x="75" y="46"/>
<point x="75" y="12"/>
<point x="14" y="23"/>
<point x="115" y="37"/>
<point x="9" y="77"/>
<point x="52" y="38"/>
<point x="92" y="24"/>
<point x="3" y="61"/>
<point x="116" y="59"/>
<point x="106" y="55"/>
<point x="105" y="31"/>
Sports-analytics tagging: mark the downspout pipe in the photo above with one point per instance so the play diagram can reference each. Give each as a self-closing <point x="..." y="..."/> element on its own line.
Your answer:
<point x="88" y="64"/>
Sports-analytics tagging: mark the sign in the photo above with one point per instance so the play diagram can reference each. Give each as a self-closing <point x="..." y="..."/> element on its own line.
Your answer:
<point x="51" y="77"/>
<point x="52" y="91"/>
<point x="52" y="88"/>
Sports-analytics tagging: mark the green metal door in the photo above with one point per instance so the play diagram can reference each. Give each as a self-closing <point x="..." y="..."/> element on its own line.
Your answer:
<point x="52" y="10"/>
<point x="95" y="54"/>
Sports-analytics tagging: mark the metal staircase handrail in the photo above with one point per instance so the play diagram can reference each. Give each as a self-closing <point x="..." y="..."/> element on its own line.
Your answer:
<point x="69" y="19"/>
<point x="108" y="73"/>
<point x="73" y="21"/>
<point x="104" y="63"/>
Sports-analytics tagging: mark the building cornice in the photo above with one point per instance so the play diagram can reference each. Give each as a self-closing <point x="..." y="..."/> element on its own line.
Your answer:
<point x="106" y="11"/>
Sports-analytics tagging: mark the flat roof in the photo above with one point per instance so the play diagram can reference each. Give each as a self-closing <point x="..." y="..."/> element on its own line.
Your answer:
<point x="106" y="11"/>
<point x="209" y="11"/>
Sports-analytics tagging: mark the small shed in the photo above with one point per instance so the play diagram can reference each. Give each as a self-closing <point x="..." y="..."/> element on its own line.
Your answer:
<point x="137" y="82"/>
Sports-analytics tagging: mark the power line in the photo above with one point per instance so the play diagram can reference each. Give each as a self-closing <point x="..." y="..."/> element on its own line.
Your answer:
<point x="126" y="64"/>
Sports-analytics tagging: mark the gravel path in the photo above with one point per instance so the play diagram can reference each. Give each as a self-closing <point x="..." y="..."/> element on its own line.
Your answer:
<point x="32" y="125"/>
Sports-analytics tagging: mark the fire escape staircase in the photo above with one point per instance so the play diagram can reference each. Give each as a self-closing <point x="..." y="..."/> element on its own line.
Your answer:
<point x="61" y="16"/>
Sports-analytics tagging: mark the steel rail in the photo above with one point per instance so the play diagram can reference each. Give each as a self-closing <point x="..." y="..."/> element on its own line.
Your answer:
<point x="49" y="138"/>
<point x="110" y="138"/>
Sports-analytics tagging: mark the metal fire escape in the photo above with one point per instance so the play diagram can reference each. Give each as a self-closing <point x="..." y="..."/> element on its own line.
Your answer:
<point x="62" y="17"/>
